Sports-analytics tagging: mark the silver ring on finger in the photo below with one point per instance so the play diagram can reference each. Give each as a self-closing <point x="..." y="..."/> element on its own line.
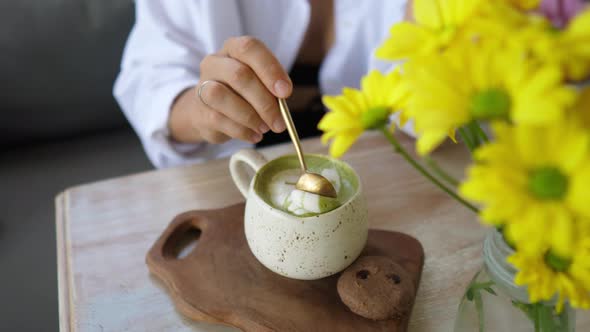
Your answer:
<point x="200" y="90"/>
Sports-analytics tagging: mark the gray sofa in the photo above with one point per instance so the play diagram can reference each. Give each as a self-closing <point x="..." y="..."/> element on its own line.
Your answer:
<point x="59" y="127"/>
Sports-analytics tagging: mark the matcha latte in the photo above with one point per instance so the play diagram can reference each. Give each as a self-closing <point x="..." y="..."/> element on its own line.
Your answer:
<point x="276" y="185"/>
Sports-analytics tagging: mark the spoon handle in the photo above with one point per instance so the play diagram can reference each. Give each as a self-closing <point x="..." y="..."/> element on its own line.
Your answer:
<point x="292" y="132"/>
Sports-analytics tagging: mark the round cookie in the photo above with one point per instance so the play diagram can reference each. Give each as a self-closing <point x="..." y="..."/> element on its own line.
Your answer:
<point x="377" y="288"/>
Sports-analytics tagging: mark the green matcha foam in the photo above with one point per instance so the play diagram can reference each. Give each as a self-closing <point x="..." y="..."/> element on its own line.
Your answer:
<point x="276" y="185"/>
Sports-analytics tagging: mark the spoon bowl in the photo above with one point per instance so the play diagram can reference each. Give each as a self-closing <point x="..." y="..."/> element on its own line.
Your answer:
<point x="317" y="184"/>
<point x="308" y="182"/>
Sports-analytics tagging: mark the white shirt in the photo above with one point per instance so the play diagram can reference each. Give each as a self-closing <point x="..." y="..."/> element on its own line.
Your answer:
<point x="170" y="38"/>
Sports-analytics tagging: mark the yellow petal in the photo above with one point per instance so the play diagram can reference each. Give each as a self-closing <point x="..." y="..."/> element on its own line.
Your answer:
<point x="571" y="146"/>
<point x="340" y="104"/>
<point x="403" y="118"/>
<point x="374" y="86"/>
<point x="529" y="145"/>
<point x="338" y="121"/>
<point x="542" y="99"/>
<point x="342" y="143"/>
<point x="426" y="13"/>
<point x="327" y="136"/>
<point x="562" y="237"/>
<point x="579" y="191"/>
<point x="357" y="98"/>
<point x="372" y="81"/>
<point x="406" y="39"/>
<point x="429" y="141"/>
<point x="452" y="135"/>
<point x="580" y="25"/>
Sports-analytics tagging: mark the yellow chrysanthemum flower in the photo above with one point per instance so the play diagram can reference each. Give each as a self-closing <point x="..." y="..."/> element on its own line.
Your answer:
<point x="535" y="182"/>
<point x="547" y="275"/>
<point x="437" y="24"/>
<point x="568" y="48"/>
<point x="357" y="110"/>
<point x="478" y="82"/>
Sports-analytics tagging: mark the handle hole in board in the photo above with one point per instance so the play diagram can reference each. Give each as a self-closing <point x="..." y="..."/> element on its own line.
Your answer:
<point x="182" y="242"/>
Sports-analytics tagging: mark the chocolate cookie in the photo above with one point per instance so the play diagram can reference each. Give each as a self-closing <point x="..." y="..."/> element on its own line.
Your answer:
<point x="377" y="288"/>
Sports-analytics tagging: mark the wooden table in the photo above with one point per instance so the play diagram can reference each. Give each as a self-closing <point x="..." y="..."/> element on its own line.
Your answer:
<point x="104" y="230"/>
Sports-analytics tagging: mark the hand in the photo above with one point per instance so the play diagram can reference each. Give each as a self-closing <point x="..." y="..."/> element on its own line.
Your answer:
<point x="238" y="101"/>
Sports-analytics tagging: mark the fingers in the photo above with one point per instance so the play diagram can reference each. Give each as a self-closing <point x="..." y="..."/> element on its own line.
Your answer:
<point x="220" y="128"/>
<point x="243" y="80"/>
<point x="214" y="136"/>
<point x="222" y="99"/>
<point x="257" y="56"/>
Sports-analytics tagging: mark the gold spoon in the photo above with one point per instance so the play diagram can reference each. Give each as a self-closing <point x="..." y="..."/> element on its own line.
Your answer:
<point x="309" y="182"/>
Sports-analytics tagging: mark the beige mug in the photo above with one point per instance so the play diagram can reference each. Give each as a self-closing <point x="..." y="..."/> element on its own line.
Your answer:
<point x="299" y="247"/>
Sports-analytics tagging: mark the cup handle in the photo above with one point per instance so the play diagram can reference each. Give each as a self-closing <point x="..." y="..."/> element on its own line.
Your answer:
<point x="238" y="167"/>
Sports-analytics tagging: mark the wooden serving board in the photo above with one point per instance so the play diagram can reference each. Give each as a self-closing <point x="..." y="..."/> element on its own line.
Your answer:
<point x="220" y="280"/>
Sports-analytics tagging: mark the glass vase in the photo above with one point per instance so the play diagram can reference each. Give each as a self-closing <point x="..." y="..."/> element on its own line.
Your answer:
<point x="493" y="303"/>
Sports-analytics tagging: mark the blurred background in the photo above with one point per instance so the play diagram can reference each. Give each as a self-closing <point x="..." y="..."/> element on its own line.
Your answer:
<point x="59" y="127"/>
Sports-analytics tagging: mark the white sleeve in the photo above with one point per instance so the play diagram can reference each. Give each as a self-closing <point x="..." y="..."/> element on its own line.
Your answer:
<point x="161" y="59"/>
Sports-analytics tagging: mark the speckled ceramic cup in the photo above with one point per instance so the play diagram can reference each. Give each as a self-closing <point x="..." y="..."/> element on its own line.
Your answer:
<point x="299" y="247"/>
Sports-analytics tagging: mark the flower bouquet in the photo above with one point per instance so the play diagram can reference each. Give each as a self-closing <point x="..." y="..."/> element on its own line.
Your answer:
<point x="502" y="77"/>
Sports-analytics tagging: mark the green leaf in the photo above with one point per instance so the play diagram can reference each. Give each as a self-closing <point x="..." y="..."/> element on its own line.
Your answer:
<point x="490" y="290"/>
<point x="486" y="284"/>
<point x="466" y="139"/>
<point x="475" y="287"/>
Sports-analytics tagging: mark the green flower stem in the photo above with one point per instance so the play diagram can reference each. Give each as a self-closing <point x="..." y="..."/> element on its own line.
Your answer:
<point x="433" y="165"/>
<point x="537" y="319"/>
<point x="564" y="320"/>
<point x="544" y="317"/>
<point x="398" y="148"/>
<point x="480" y="313"/>
<point x="547" y="322"/>
<point x="474" y="293"/>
